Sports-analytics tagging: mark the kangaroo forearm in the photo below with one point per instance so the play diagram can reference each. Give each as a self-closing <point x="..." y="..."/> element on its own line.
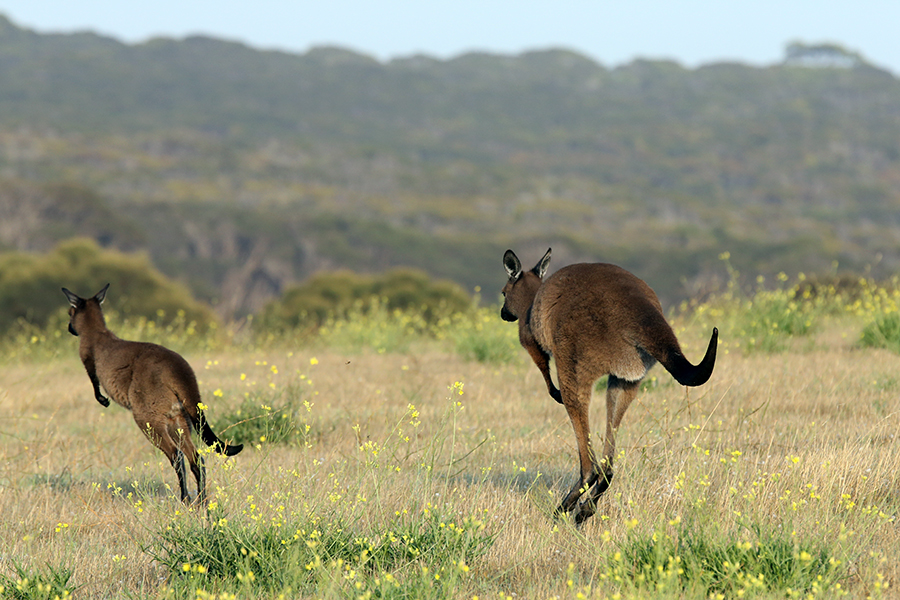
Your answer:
<point x="91" y="369"/>
<point x="552" y="389"/>
<point x="98" y="395"/>
<point x="542" y="360"/>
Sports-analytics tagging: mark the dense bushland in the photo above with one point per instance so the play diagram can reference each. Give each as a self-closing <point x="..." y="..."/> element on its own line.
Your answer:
<point x="30" y="286"/>
<point x="334" y="295"/>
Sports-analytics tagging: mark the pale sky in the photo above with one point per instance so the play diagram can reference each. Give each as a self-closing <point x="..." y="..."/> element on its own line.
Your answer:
<point x="693" y="32"/>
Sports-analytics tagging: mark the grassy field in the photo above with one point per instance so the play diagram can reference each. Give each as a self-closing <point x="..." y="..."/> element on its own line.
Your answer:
<point x="384" y="462"/>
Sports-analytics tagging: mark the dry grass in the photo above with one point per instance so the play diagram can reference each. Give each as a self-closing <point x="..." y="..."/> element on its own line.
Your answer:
<point x="802" y="441"/>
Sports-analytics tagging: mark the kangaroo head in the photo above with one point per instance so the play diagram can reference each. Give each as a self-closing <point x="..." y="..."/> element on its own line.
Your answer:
<point x="519" y="291"/>
<point x="85" y="312"/>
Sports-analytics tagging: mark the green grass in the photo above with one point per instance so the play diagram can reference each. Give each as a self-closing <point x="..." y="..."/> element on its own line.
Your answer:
<point x="46" y="583"/>
<point x="882" y="332"/>
<point x="697" y="557"/>
<point x="481" y="336"/>
<point x="270" y="417"/>
<point x="410" y="556"/>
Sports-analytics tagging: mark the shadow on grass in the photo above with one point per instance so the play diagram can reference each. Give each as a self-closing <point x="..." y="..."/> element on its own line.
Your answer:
<point x="65" y="482"/>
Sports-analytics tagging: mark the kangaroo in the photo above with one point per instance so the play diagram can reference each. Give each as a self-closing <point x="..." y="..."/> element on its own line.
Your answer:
<point x="594" y="319"/>
<point x="155" y="383"/>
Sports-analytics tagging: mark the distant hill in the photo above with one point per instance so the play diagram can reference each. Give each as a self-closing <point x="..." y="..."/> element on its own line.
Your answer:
<point x="240" y="171"/>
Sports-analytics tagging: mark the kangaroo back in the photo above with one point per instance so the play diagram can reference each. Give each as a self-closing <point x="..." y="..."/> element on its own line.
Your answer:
<point x="601" y="312"/>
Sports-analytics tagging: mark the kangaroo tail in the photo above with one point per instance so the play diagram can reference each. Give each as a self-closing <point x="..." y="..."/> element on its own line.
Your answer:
<point x="687" y="374"/>
<point x="211" y="439"/>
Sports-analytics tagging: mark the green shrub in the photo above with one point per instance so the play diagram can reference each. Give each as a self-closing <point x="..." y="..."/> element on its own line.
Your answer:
<point x="336" y="295"/>
<point x="270" y="418"/>
<point x="372" y="325"/>
<point x="483" y="337"/>
<point x="767" y="320"/>
<point x="37" y="585"/>
<point x="882" y="332"/>
<point x="771" y="318"/>
<point x="30" y="286"/>
<point x="31" y="342"/>
<point x="395" y="559"/>
<point x="702" y="559"/>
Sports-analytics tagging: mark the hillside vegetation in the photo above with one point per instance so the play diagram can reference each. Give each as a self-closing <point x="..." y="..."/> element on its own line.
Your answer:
<point x="242" y="172"/>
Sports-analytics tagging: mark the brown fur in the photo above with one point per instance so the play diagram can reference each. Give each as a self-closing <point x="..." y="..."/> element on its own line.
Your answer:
<point x="155" y="383"/>
<point x="594" y="319"/>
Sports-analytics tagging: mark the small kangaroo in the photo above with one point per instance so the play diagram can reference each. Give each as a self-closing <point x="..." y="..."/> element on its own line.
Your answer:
<point x="594" y="319"/>
<point x="155" y="383"/>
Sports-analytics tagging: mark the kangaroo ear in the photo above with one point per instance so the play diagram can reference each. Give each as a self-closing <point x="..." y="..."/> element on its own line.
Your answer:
<point x="513" y="264"/>
<point x="74" y="299"/>
<point x="101" y="295"/>
<point x="540" y="269"/>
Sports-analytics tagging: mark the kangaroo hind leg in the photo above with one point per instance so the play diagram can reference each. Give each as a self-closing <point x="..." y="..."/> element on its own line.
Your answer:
<point x="170" y="435"/>
<point x="199" y="471"/>
<point x="180" y="432"/>
<point x="577" y="401"/>
<point x="159" y="435"/>
<point x="619" y="396"/>
<point x="178" y="464"/>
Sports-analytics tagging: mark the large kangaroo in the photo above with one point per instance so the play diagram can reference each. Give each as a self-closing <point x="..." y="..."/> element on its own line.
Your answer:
<point x="595" y="320"/>
<point x="155" y="383"/>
